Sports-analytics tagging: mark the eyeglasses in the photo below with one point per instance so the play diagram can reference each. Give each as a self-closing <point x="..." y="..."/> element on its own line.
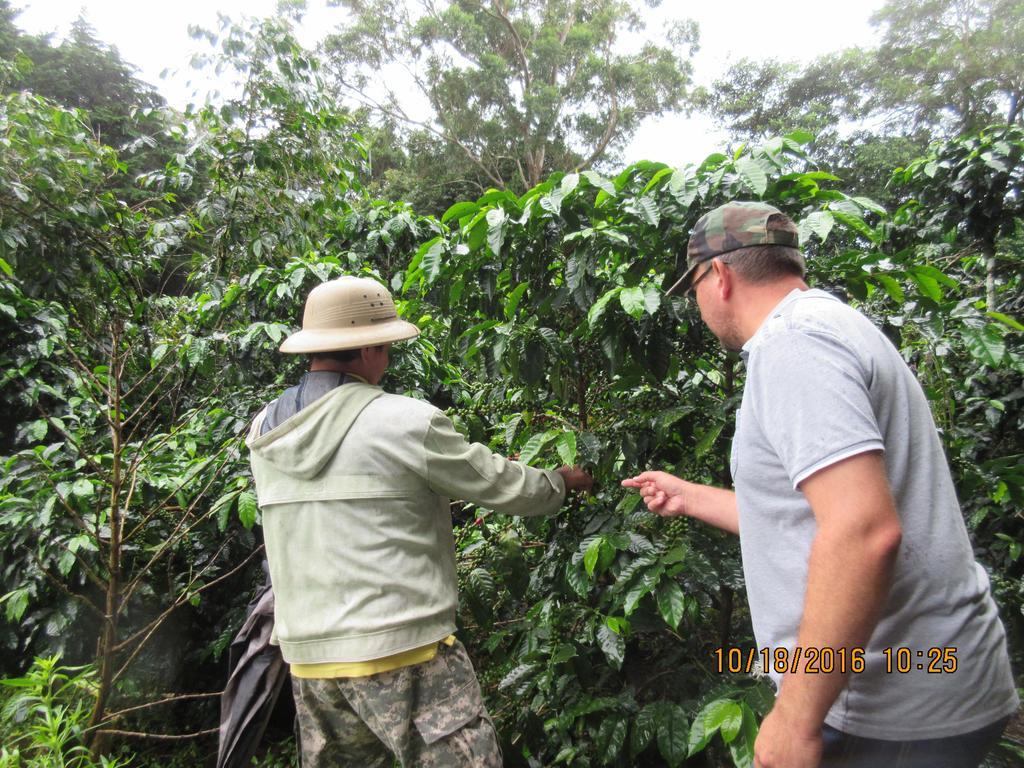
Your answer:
<point x="689" y="291"/>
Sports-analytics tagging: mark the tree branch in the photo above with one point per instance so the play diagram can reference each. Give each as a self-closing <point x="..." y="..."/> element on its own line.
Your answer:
<point x="606" y="137"/>
<point x="64" y="589"/>
<point x="111" y="717"/>
<point x="443" y="135"/>
<point x="150" y="628"/>
<point x="520" y="49"/>
<point x="159" y="736"/>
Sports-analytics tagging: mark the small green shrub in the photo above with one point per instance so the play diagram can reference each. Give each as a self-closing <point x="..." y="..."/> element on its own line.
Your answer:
<point x="44" y="715"/>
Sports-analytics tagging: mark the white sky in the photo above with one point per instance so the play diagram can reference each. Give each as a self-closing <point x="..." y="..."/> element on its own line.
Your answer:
<point x="153" y="36"/>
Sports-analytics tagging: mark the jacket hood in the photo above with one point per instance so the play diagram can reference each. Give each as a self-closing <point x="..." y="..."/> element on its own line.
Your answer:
<point x="301" y="445"/>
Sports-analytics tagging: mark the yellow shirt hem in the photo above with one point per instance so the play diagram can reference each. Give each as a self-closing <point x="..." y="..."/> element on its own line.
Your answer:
<point x="372" y="667"/>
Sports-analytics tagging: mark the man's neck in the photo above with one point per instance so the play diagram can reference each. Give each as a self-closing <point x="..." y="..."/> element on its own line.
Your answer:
<point x="758" y="301"/>
<point x="355" y="368"/>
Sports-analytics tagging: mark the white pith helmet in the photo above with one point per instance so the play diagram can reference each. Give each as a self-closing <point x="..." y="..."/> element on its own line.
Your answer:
<point x="348" y="313"/>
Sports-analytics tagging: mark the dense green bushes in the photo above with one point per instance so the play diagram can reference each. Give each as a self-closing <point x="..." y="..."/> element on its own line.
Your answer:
<point x="140" y="338"/>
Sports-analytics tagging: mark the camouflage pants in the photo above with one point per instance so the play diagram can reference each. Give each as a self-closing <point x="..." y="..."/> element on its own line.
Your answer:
<point x="424" y="715"/>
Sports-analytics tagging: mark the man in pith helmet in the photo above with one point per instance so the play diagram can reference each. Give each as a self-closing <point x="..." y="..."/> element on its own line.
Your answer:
<point x="878" y="626"/>
<point x="354" y="486"/>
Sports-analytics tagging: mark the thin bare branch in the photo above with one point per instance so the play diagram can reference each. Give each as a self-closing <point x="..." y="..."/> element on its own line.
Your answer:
<point x="443" y="135"/>
<point x="64" y="589"/>
<point x="175" y="536"/>
<point x="68" y="437"/>
<point x="606" y="137"/>
<point x="145" y="377"/>
<point x="111" y="717"/>
<point x="159" y="736"/>
<point x="155" y="624"/>
<point x="163" y="502"/>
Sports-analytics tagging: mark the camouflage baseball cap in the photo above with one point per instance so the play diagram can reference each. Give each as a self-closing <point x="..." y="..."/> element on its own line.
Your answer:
<point x="728" y="228"/>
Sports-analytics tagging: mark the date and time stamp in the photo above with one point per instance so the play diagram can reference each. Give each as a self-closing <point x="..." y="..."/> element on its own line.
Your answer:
<point x="826" y="661"/>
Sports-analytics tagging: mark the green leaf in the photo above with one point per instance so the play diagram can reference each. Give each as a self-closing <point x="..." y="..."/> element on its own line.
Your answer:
<point x="671" y="602"/>
<point x="83" y="488"/>
<point x="708" y="439"/>
<point x="684" y="187"/>
<point x="673" y="733"/>
<point x="599" y="306"/>
<point x="800" y="137"/>
<point x="819" y="222"/>
<point x="634" y="596"/>
<point x="644" y="728"/>
<point x="647" y="209"/>
<point x="610" y="737"/>
<point x="591" y="555"/>
<point x="870" y="205"/>
<point x="927" y="285"/>
<point x="569" y="182"/>
<point x="656" y="178"/>
<point x="706" y="724"/>
<point x="459" y="211"/>
<point x="612" y="644"/>
<point x="158" y="354"/>
<point x="513" y="299"/>
<point x="986" y="344"/>
<point x="1006" y="320"/>
<point x="732" y="719"/>
<point x="891" y="287"/>
<point x="16" y="605"/>
<point x="222" y="509"/>
<point x="431" y="263"/>
<point x="518" y="679"/>
<point x="247" y="509"/>
<point x="752" y="174"/>
<point x="857" y="224"/>
<point x="652" y="298"/>
<point x="477" y="232"/>
<point x="563" y="653"/>
<point x="599" y="181"/>
<point x="36" y="430"/>
<point x="742" y="748"/>
<point x="633" y="301"/>
<point x="565" y="444"/>
<point x="577" y="579"/>
<point x="534" y="445"/>
<point x="496" y="218"/>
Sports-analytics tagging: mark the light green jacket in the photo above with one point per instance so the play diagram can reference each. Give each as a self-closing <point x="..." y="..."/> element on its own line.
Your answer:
<point x="355" y="493"/>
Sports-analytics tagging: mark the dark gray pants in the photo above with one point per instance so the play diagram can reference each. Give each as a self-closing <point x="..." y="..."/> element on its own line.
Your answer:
<point x="964" y="751"/>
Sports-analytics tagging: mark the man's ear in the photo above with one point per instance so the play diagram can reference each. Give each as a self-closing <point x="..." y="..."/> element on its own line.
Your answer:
<point x="725" y="279"/>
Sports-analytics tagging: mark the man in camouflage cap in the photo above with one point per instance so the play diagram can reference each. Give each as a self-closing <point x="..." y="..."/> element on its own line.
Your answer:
<point x="879" y="628"/>
<point x="732" y="227"/>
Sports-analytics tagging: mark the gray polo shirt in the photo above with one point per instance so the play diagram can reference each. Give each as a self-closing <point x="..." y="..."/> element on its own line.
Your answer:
<point x="824" y="384"/>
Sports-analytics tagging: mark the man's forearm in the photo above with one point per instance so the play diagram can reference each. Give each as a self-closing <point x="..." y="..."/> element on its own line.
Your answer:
<point x="714" y="506"/>
<point x="848" y="578"/>
<point x="847" y="585"/>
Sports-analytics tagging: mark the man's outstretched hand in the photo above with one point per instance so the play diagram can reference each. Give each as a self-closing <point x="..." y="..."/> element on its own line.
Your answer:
<point x="661" y="492"/>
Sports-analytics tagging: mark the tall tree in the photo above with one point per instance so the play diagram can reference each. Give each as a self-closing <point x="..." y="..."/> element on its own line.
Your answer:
<point x="954" y="61"/>
<point x="943" y="66"/>
<point x="772" y="97"/>
<point x="81" y="72"/>
<point x="517" y="87"/>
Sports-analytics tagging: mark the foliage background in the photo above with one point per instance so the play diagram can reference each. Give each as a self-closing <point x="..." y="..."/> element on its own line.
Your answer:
<point x="144" y="287"/>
